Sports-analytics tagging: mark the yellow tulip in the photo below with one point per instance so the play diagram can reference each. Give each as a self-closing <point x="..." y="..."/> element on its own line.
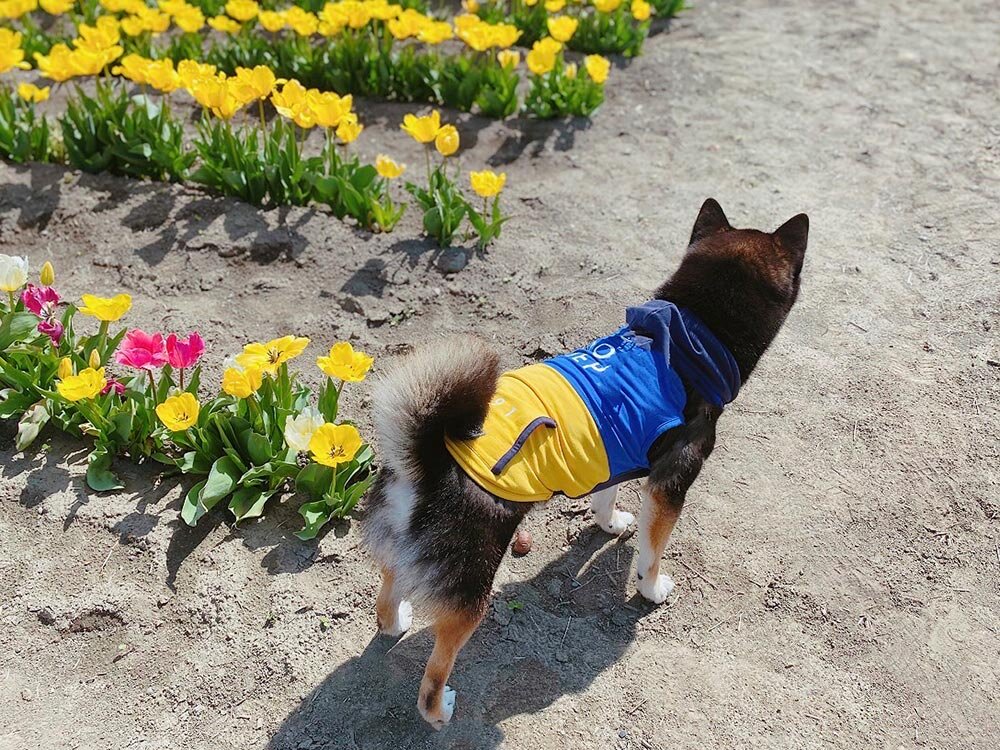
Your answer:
<point x="607" y="6"/>
<point x="162" y="76"/>
<point x="65" y="368"/>
<point x="11" y="54"/>
<point x="328" y="108"/>
<point x="255" y="83"/>
<point x="409" y="24"/>
<point x="508" y="58"/>
<point x="31" y="93"/>
<point x="302" y="22"/>
<point x="179" y="412"/>
<point x="641" y="10"/>
<point x="487" y="183"/>
<point x="191" y="72"/>
<point x="349" y="128"/>
<point x="447" y="141"/>
<point x="597" y="68"/>
<point x="241" y="383"/>
<point x="271" y="20"/>
<point x="242" y="10"/>
<point x="554" y="6"/>
<point x="225" y="24"/>
<point x="435" y="32"/>
<point x="388" y="168"/>
<point x="345" y="363"/>
<point x="107" y="309"/>
<point x="471" y="6"/>
<point x="422" y="129"/>
<point x="87" y="384"/>
<point x="542" y="57"/>
<point x="94" y="361"/>
<point x="190" y="20"/>
<point x="334" y="444"/>
<point x="56" y="7"/>
<point x="290" y="99"/>
<point x="47" y="277"/>
<point x="562" y="28"/>
<point x="270" y="356"/>
<point x="134" y="68"/>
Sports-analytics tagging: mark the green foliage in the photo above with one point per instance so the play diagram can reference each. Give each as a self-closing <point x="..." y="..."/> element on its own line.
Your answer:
<point x="442" y="204"/>
<point x="24" y="134"/>
<point x="134" y="136"/>
<point x="610" y="33"/>
<point x="556" y="95"/>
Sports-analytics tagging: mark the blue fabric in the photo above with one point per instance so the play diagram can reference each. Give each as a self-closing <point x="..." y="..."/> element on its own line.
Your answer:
<point x="632" y="381"/>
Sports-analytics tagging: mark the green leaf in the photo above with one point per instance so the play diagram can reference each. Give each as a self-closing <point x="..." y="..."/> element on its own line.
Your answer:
<point x="249" y="503"/>
<point x="316" y="514"/>
<point x="31" y="423"/>
<point x="222" y="480"/>
<point x="100" y="478"/>
<point x="14" y="403"/>
<point x="314" y="480"/>
<point x="329" y="395"/>
<point x="17" y="327"/>
<point x="192" y="509"/>
<point x="258" y="448"/>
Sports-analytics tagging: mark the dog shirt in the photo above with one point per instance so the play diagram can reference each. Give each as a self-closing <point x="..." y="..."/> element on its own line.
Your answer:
<point x="586" y="420"/>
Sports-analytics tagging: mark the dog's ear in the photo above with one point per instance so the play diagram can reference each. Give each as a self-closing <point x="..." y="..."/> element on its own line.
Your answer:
<point x="793" y="235"/>
<point x="711" y="219"/>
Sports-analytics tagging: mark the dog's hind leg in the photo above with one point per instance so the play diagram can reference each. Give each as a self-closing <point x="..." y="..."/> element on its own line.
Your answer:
<point x="608" y="517"/>
<point x="436" y="701"/>
<point x="394" y="615"/>
<point x="660" y="512"/>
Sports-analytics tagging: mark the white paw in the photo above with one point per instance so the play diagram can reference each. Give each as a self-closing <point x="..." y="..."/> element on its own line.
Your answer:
<point x="620" y="521"/>
<point x="656" y="590"/>
<point x="438" y="721"/>
<point x="404" y="619"/>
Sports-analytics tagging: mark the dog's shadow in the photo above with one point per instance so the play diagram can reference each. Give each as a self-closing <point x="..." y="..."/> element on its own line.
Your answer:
<point x="544" y="638"/>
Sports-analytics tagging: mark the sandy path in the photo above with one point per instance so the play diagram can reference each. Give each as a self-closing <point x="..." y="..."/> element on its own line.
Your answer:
<point x="838" y="565"/>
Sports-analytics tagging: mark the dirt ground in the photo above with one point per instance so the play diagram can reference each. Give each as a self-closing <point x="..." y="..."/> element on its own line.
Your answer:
<point x="837" y="568"/>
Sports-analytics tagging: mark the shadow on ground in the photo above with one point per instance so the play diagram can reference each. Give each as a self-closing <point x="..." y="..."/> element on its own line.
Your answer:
<point x="544" y="638"/>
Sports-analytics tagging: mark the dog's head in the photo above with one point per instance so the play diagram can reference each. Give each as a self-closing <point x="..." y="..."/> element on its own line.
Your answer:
<point x="773" y="260"/>
<point x="741" y="282"/>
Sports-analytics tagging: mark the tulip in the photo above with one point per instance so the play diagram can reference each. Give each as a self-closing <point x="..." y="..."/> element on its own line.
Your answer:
<point x="349" y="128"/>
<point x="86" y="385"/>
<point x="31" y="93"/>
<point x="141" y="350"/>
<point x="447" y="140"/>
<point x="241" y="383"/>
<point x="487" y="183"/>
<point x="641" y="10"/>
<point x="299" y="430"/>
<point x="422" y="129"/>
<point x="345" y="363"/>
<point x="607" y="6"/>
<point x="388" y="168"/>
<point x="562" y="28"/>
<point x="179" y="412"/>
<point x="48" y="274"/>
<point x="13" y="273"/>
<point x="554" y="6"/>
<point x="508" y="59"/>
<point x="184" y="353"/>
<point x="65" y="368"/>
<point x="224" y="24"/>
<point x="94" y="361"/>
<point x="334" y="444"/>
<point x="242" y="10"/>
<point x="270" y="356"/>
<point x="43" y="301"/>
<point x="597" y="68"/>
<point x="106" y="309"/>
<point x="113" y="385"/>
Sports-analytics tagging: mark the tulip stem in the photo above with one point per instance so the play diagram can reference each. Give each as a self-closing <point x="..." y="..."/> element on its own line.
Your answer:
<point x="10" y="296"/>
<point x="182" y="378"/>
<point x="152" y="385"/>
<point x="263" y="122"/>
<point x="102" y="335"/>
<point x="427" y="154"/>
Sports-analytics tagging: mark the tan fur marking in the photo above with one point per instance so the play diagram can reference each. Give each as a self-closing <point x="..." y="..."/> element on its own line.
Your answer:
<point x="451" y="631"/>
<point x="386" y="605"/>
<point x="663" y="519"/>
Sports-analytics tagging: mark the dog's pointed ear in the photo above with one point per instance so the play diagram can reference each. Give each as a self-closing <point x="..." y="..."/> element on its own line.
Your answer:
<point x="711" y="219"/>
<point x="794" y="234"/>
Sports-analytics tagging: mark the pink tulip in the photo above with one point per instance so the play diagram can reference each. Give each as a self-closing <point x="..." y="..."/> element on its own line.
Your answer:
<point x="113" y="385"/>
<point x="141" y="350"/>
<point x="43" y="301"/>
<point x="183" y="353"/>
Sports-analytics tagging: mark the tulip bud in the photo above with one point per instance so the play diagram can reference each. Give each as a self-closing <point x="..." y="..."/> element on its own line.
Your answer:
<point x="65" y="368"/>
<point x="48" y="275"/>
<point x="95" y="360"/>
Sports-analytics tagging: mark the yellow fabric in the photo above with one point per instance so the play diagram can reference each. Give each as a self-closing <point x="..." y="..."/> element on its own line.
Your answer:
<point x="569" y="458"/>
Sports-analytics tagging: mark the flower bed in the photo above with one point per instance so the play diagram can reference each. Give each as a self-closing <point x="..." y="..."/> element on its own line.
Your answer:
<point x="261" y="433"/>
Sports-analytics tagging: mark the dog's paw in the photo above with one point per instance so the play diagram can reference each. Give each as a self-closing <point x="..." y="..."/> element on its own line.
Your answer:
<point x="618" y="523"/>
<point x="656" y="590"/>
<point x="404" y="619"/>
<point x="440" y="718"/>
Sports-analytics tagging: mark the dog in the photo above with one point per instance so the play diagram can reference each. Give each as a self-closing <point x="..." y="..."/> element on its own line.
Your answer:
<point x="468" y="451"/>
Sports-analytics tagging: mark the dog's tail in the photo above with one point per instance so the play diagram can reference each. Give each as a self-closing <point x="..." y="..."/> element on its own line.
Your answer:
<point x="444" y="390"/>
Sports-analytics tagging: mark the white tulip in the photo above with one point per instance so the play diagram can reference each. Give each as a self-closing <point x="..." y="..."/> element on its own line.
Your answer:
<point x="13" y="272"/>
<point x="299" y="430"/>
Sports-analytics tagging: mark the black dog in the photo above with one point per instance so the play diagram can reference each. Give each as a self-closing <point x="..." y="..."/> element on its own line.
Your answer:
<point x="443" y="512"/>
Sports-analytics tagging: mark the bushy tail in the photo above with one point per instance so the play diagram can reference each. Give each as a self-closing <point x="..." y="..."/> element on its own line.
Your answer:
<point x="442" y="390"/>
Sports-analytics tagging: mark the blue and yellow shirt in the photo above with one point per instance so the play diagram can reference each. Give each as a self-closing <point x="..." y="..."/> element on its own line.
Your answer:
<point x="586" y="420"/>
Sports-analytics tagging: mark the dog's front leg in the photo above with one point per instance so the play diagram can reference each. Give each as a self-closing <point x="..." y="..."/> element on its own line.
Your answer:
<point x="436" y="701"/>
<point x="659" y="514"/>
<point x="608" y="517"/>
